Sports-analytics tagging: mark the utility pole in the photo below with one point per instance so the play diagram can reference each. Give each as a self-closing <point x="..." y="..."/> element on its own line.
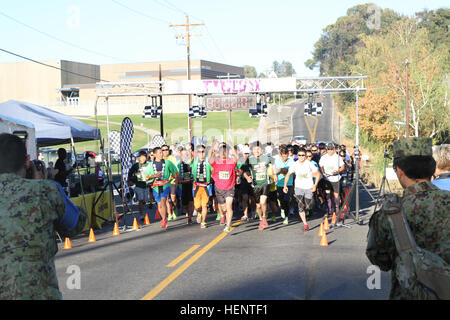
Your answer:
<point x="187" y="36"/>
<point x="407" y="99"/>
<point x="228" y="76"/>
<point x="161" y="119"/>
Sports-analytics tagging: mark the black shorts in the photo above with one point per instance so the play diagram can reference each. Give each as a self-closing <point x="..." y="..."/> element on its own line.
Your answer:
<point x="272" y="196"/>
<point x="186" y="194"/>
<point x="221" y="195"/>
<point x="336" y="186"/>
<point x="263" y="191"/>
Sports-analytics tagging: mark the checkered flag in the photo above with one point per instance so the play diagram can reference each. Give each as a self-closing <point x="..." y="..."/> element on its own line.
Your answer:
<point x="152" y="112"/>
<point x="114" y="141"/>
<point x="313" y="109"/>
<point x="148" y="112"/>
<point x="157" y="141"/>
<point x="197" y="112"/>
<point x="126" y="139"/>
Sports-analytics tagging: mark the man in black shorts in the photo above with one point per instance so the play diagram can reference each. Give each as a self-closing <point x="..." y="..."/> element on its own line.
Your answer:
<point x="257" y="174"/>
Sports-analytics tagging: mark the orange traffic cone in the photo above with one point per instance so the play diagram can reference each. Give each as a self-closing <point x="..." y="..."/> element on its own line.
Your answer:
<point x="91" y="236"/>
<point x="326" y="226"/>
<point x="116" y="230"/>
<point x="323" y="241"/>
<point x="67" y="244"/>
<point x="146" y="220"/>
<point x="333" y="218"/>
<point x="320" y="230"/>
<point x="157" y="217"/>
<point x="135" y="224"/>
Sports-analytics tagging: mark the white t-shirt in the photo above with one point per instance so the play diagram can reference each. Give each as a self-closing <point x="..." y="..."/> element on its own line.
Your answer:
<point x="331" y="164"/>
<point x="303" y="174"/>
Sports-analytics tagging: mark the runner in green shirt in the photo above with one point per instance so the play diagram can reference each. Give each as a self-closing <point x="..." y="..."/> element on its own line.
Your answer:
<point x="256" y="173"/>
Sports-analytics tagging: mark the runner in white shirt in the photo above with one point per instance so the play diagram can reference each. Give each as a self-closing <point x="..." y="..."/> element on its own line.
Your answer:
<point x="304" y="171"/>
<point x="331" y="165"/>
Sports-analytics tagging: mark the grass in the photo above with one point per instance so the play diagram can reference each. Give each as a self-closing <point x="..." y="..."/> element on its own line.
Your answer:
<point x="175" y="128"/>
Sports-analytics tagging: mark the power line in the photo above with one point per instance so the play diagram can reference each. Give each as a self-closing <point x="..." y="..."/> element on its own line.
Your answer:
<point x="50" y="66"/>
<point x="58" y="39"/>
<point x="140" y="13"/>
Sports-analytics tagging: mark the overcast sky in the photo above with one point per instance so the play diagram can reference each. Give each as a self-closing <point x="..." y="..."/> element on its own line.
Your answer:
<point x="236" y="32"/>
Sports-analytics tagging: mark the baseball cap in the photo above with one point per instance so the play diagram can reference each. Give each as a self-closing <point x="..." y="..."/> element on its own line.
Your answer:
<point x="245" y="149"/>
<point x="413" y="146"/>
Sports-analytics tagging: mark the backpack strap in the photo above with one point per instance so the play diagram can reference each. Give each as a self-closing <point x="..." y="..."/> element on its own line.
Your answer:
<point x="404" y="240"/>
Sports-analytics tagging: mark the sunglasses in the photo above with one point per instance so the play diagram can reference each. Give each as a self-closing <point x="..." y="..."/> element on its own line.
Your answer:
<point x="164" y="149"/>
<point x="309" y="156"/>
<point x="302" y="155"/>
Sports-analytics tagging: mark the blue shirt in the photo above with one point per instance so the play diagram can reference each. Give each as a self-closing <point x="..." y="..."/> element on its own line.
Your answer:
<point x="279" y="164"/>
<point x="443" y="184"/>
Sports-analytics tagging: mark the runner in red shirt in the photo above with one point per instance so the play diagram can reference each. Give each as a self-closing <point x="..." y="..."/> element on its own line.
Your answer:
<point x="224" y="178"/>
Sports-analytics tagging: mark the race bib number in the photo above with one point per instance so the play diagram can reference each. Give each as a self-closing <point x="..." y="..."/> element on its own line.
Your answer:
<point x="261" y="176"/>
<point x="201" y="177"/>
<point x="224" y="175"/>
<point x="329" y="169"/>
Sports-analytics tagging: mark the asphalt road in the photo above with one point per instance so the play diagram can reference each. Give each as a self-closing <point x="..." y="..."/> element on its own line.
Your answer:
<point x="316" y="128"/>
<point x="185" y="262"/>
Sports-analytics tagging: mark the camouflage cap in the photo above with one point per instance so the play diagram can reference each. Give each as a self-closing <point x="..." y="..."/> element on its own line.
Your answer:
<point x="413" y="146"/>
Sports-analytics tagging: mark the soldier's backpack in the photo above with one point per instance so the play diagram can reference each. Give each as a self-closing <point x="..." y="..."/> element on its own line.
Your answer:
<point x="423" y="273"/>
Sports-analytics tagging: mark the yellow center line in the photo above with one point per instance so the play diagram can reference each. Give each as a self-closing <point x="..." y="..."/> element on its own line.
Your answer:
<point x="313" y="137"/>
<point x="163" y="284"/>
<point x="183" y="255"/>
<point x="309" y="128"/>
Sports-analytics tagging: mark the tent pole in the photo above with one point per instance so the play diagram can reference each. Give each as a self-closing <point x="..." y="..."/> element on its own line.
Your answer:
<point x="110" y="181"/>
<point x="81" y="180"/>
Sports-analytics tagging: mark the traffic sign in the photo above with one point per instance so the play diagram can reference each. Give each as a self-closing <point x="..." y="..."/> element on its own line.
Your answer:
<point x="400" y="122"/>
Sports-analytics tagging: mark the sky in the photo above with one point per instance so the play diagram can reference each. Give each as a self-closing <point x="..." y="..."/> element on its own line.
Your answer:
<point x="235" y="32"/>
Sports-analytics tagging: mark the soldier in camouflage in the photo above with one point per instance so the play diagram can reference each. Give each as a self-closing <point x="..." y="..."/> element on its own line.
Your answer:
<point x="425" y="206"/>
<point x="31" y="211"/>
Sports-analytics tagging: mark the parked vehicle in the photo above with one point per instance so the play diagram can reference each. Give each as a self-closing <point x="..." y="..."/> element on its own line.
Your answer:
<point x="299" y="140"/>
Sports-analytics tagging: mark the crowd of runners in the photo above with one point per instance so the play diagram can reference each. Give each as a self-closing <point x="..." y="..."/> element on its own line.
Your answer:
<point x="253" y="181"/>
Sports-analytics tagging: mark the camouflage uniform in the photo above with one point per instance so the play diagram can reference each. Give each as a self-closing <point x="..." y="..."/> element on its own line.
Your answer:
<point x="427" y="212"/>
<point x="30" y="211"/>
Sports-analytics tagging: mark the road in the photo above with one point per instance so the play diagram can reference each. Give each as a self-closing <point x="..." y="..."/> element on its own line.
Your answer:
<point x="316" y="128"/>
<point x="185" y="262"/>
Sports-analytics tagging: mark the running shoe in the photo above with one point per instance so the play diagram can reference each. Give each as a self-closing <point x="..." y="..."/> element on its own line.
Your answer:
<point x="261" y="225"/>
<point x="174" y="214"/>
<point x="169" y="218"/>
<point x="222" y="220"/>
<point x="189" y="221"/>
<point x="273" y="219"/>
<point x="203" y="225"/>
<point x="199" y="218"/>
<point x="265" y="223"/>
<point x="286" y="220"/>
<point x="306" y="227"/>
<point x="227" y="229"/>
<point x="282" y="214"/>
<point x="244" y="218"/>
<point x="163" y="223"/>
<point x="218" y="217"/>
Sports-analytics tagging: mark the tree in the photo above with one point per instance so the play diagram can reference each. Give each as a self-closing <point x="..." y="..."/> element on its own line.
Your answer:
<point x="283" y="69"/>
<point x="250" y="71"/>
<point x="334" y="51"/>
<point x="383" y="58"/>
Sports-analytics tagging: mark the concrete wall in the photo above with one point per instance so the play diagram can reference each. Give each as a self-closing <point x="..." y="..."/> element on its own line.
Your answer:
<point x="30" y="82"/>
<point x="38" y="84"/>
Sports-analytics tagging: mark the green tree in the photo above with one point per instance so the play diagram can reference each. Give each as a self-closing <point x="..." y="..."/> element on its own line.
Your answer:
<point x="250" y="71"/>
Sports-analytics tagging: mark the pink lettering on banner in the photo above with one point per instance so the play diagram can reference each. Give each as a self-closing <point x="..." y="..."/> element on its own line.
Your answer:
<point x="229" y="86"/>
